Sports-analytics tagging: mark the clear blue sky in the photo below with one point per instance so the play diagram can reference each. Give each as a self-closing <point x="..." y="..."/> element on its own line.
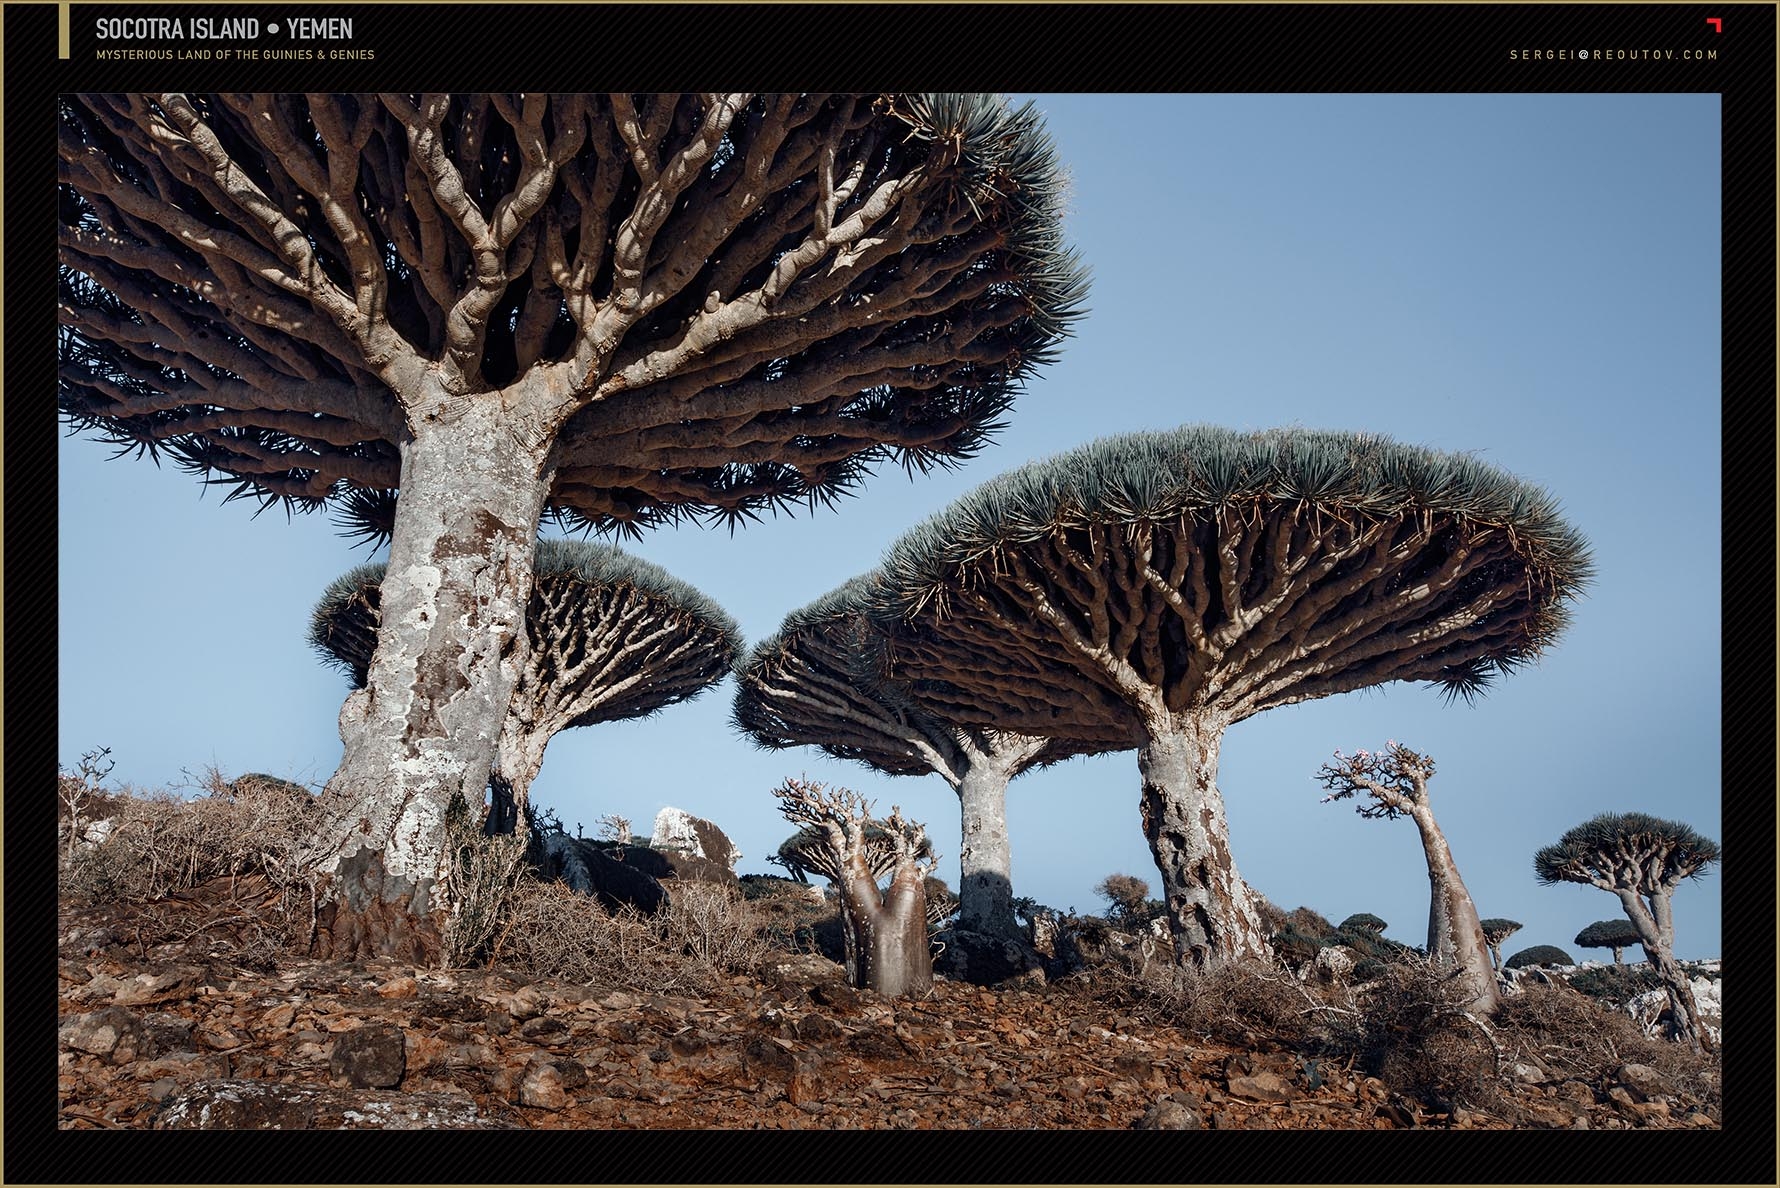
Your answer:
<point x="1531" y="277"/>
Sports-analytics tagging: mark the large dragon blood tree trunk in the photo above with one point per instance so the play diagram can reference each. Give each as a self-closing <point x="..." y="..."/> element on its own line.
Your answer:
<point x="986" y="889"/>
<point x="450" y="645"/>
<point x="1212" y="912"/>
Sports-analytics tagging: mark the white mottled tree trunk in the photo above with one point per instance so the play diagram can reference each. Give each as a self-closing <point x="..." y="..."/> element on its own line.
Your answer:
<point x="450" y="647"/>
<point x="1455" y="934"/>
<point x="1212" y="912"/>
<point x="985" y="887"/>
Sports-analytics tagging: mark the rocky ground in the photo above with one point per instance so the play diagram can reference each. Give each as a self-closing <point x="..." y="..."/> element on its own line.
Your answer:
<point x="184" y="1036"/>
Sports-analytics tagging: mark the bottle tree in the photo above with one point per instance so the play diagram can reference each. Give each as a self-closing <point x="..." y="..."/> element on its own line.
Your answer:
<point x="1151" y="589"/>
<point x="1640" y="859"/>
<point x="609" y="309"/>
<point x="884" y="928"/>
<point x="819" y="682"/>
<point x="1609" y="934"/>
<point x="611" y="636"/>
<point x="1394" y="783"/>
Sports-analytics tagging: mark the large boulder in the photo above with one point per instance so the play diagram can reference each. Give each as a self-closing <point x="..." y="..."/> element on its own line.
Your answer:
<point x="982" y="959"/>
<point x="678" y="830"/>
<point x="271" y="1105"/>
<point x="667" y="865"/>
<point x="589" y="869"/>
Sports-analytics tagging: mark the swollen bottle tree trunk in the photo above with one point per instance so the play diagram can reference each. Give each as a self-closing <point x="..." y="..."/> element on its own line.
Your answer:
<point x="885" y="931"/>
<point x="1395" y="783"/>
<point x="1212" y="913"/>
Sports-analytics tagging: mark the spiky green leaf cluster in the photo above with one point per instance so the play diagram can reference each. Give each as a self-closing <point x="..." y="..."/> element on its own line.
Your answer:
<point x="1497" y="929"/>
<point x="342" y="627"/>
<point x="1202" y="471"/>
<point x="1618" y="846"/>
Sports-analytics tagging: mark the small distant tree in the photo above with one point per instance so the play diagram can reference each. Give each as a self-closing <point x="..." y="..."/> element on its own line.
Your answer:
<point x="885" y="930"/>
<point x="1125" y="894"/>
<point x="1495" y="931"/>
<point x="1641" y="859"/>
<point x="612" y="636"/>
<point x="1540" y="955"/>
<point x="1395" y="781"/>
<point x="1609" y="934"/>
<point x="1363" y="922"/>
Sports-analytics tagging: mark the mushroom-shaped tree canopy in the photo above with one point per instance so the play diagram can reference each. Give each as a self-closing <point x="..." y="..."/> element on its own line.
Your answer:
<point x="1641" y="859"/>
<point x="611" y="309"/>
<point x="1497" y="929"/>
<point x="819" y="682"/>
<point x="1610" y="934"/>
<point x="1153" y="588"/>
<point x="612" y="636"/>
<point x="1363" y="922"/>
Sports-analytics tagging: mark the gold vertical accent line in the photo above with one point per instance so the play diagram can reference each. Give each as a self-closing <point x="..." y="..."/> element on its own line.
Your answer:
<point x="62" y="36"/>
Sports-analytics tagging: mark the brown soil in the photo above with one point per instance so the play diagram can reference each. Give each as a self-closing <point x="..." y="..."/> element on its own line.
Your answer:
<point x="182" y="1034"/>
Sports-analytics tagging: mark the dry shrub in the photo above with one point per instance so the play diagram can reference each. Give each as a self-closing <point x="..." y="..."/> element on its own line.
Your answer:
<point x="161" y="843"/>
<point x="1414" y="1035"/>
<point x="481" y="880"/>
<point x="1239" y="1002"/>
<point x="703" y="934"/>
<point x="1575" y="1037"/>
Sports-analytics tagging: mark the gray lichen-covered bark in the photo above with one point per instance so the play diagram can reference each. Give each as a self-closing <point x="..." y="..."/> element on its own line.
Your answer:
<point x="610" y="636"/>
<point x="1111" y="593"/>
<point x="620" y="309"/>
<point x="1213" y="915"/>
<point x="885" y="930"/>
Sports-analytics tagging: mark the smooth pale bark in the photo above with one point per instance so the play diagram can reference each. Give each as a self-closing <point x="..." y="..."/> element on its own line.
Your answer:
<point x="1656" y="928"/>
<point x="1455" y="933"/>
<point x="450" y="646"/>
<point x="885" y="933"/>
<point x="985" y="856"/>
<point x="1212" y="912"/>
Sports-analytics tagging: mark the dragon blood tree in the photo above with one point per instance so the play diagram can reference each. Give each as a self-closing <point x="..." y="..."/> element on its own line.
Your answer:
<point x="1497" y="929"/>
<point x="1151" y="589"/>
<point x="608" y="309"/>
<point x="1394" y="783"/>
<point x="1641" y="859"/>
<point x="1609" y="934"/>
<point x="817" y="682"/>
<point x="612" y="636"/>
<point x="885" y="929"/>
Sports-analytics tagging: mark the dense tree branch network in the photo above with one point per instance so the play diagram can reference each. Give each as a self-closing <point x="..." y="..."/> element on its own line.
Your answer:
<point x="1060" y="601"/>
<point x="819" y="682"/>
<point x="738" y="300"/>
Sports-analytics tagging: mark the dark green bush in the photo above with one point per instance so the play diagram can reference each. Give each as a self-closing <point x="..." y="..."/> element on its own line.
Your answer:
<point x="1614" y="984"/>
<point x="1539" y="955"/>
